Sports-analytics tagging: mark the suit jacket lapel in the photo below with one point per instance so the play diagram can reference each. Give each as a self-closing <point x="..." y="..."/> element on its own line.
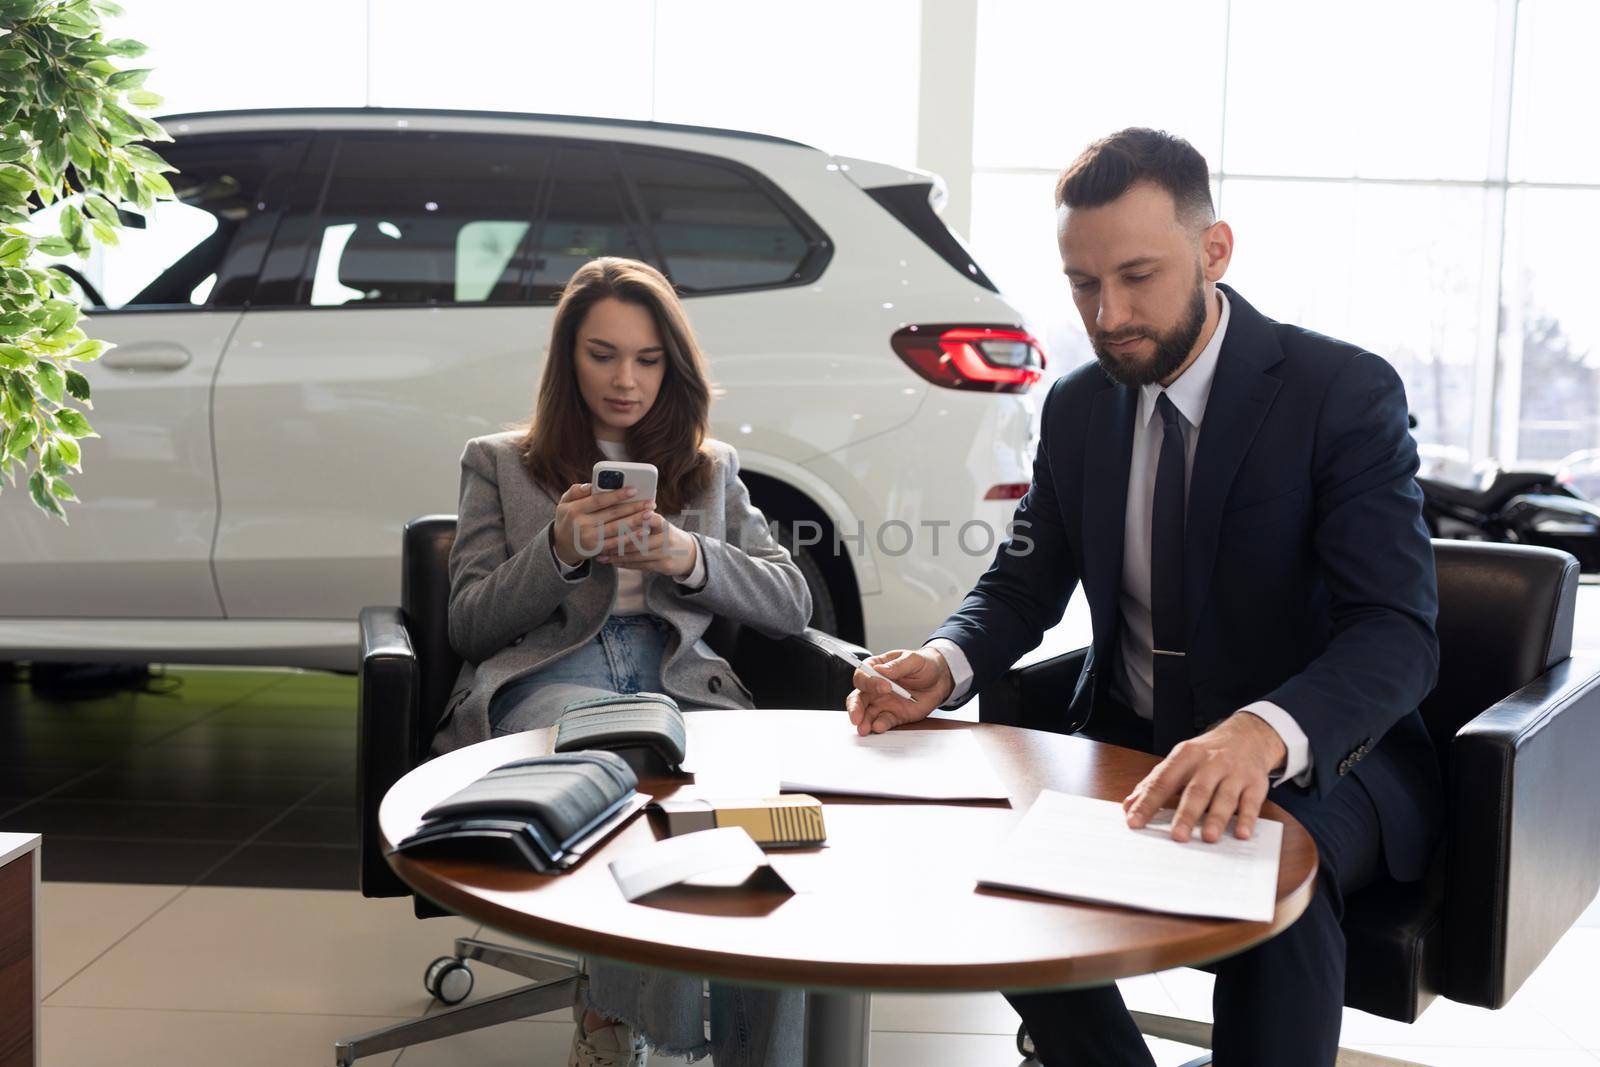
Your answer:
<point x="1105" y="500"/>
<point x="1241" y="395"/>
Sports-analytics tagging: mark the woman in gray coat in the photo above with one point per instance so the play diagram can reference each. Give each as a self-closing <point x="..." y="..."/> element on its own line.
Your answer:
<point x="559" y="591"/>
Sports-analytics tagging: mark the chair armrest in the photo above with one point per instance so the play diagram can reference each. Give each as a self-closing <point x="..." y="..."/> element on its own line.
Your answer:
<point x="387" y="687"/>
<point x="803" y="670"/>
<point x="1523" y="845"/>
<point x="1034" y="696"/>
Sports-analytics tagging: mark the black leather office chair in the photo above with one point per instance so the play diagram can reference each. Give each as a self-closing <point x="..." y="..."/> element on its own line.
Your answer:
<point x="1516" y="720"/>
<point x="406" y="674"/>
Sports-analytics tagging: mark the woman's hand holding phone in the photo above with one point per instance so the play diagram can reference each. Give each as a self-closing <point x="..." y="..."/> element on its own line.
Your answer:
<point x="587" y="520"/>
<point x="620" y="530"/>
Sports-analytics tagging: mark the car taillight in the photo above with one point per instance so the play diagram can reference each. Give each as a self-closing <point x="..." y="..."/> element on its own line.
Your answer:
<point x="1007" y="491"/>
<point x="990" y="359"/>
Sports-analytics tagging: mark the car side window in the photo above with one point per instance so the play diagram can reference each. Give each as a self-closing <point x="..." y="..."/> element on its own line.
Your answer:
<point x="424" y="219"/>
<point x="584" y="216"/>
<point x="717" y="227"/>
<point x="199" y="250"/>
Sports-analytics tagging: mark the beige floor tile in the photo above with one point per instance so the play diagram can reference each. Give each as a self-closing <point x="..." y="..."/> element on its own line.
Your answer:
<point x="1488" y="1057"/>
<point x="1447" y="1023"/>
<point x="519" y="1044"/>
<point x="80" y="920"/>
<point x="1566" y="987"/>
<point x="112" y="1037"/>
<point x="271" y="950"/>
<point x="980" y="1050"/>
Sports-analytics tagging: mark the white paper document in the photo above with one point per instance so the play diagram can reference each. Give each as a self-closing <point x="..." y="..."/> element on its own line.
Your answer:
<point x="686" y="858"/>
<point x="1081" y="848"/>
<point x="911" y="764"/>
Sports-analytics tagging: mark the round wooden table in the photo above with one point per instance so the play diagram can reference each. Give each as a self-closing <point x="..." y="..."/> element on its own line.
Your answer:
<point x="890" y="904"/>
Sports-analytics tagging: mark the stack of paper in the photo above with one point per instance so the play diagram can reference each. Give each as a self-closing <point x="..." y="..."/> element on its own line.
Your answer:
<point x="1082" y="849"/>
<point x="913" y="764"/>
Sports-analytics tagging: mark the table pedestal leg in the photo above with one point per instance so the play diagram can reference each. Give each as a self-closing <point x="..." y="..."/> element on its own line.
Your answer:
<point x="838" y="1027"/>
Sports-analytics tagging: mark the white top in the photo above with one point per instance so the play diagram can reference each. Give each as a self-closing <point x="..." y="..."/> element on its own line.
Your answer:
<point x="1189" y="394"/>
<point x="630" y="582"/>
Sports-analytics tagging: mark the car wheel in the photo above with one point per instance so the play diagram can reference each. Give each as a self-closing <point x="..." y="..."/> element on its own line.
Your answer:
<point x="824" y="613"/>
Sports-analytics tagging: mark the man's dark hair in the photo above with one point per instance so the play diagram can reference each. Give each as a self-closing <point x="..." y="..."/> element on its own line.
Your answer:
<point x="1107" y="169"/>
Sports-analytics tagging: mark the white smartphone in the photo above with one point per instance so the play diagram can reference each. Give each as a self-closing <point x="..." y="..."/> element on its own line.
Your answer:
<point x="610" y="475"/>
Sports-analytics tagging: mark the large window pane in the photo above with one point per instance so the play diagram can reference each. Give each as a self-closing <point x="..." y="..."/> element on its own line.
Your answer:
<point x="1395" y="269"/>
<point x="173" y="254"/>
<point x="839" y="74"/>
<point x="1014" y="240"/>
<point x="290" y="53"/>
<point x="511" y="55"/>
<point x="1053" y="77"/>
<point x="1550" y="337"/>
<point x="1557" y="87"/>
<point x="1364" y="88"/>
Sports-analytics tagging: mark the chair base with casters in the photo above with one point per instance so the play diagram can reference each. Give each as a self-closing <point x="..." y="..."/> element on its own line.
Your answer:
<point x="1515" y="719"/>
<point x="406" y="673"/>
<point x="552" y="985"/>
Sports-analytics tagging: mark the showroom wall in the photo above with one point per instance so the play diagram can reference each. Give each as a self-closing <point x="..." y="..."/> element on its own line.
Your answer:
<point x="1420" y="177"/>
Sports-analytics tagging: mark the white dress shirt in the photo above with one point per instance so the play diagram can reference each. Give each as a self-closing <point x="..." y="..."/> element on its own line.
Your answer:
<point x="1189" y="394"/>
<point x="630" y="582"/>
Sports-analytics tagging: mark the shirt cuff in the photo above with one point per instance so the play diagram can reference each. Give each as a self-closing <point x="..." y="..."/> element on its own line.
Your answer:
<point x="960" y="669"/>
<point x="568" y="574"/>
<point x="1297" y="760"/>
<point x="695" y="580"/>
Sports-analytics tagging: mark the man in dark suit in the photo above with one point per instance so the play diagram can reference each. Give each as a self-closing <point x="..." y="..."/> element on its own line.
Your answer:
<point x="1237" y="497"/>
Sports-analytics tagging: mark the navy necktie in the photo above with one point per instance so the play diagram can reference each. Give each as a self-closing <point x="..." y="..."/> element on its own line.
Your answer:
<point x="1173" y="718"/>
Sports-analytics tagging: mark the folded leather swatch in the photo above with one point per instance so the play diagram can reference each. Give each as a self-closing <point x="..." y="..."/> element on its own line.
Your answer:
<point x="646" y="729"/>
<point x="543" y="811"/>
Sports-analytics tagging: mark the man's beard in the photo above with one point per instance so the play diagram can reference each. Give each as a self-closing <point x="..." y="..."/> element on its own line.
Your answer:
<point x="1172" y="347"/>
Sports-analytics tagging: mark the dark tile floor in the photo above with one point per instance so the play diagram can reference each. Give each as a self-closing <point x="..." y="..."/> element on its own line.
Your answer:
<point x="229" y="777"/>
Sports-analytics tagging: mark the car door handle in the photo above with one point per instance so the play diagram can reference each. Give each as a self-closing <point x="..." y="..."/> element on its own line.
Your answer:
<point x="147" y="355"/>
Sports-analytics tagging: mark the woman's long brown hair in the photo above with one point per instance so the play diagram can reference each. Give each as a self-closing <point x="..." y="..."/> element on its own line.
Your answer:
<point x="558" y="446"/>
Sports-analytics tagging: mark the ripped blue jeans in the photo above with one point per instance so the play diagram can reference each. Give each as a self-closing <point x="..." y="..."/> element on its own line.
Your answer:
<point x="750" y="1027"/>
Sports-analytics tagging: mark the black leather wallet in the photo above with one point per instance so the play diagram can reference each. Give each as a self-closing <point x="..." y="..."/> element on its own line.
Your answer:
<point x="645" y="729"/>
<point x="544" y="811"/>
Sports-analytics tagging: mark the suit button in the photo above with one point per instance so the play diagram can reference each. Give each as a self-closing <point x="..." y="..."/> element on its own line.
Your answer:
<point x="715" y="684"/>
<point x="519" y="640"/>
<point x="1344" y="766"/>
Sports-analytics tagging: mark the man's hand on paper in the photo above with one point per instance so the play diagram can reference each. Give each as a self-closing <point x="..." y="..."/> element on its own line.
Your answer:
<point x="872" y="705"/>
<point x="1220" y="775"/>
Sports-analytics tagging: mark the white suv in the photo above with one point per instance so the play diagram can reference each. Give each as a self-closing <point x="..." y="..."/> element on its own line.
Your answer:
<point x="342" y="298"/>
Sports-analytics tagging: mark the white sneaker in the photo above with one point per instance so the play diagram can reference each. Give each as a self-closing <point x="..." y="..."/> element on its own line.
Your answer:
<point x="613" y="1045"/>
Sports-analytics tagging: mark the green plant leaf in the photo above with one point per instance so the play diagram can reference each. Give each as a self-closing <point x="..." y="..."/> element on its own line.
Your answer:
<point x="20" y="391"/>
<point x="74" y="423"/>
<point x="51" y="382"/>
<point x="21" y="436"/>
<point x="102" y="209"/>
<point x="55" y="246"/>
<point x="14" y="250"/>
<point x="78" y="386"/>
<point x="72" y="224"/>
<point x="50" y="460"/>
<point x="14" y="59"/>
<point x="124" y="46"/>
<point x="144" y="98"/>
<point x="128" y="79"/>
<point x="14" y="324"/>
<point x="62" y="490"/>
<point x="41" y="495"/>
<point x="71" y="453"/>
<point x="89" y="351"/>
<point x="14" y="358"/>
<point x="146" y="159"/>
